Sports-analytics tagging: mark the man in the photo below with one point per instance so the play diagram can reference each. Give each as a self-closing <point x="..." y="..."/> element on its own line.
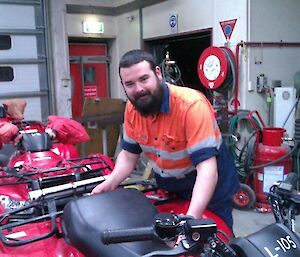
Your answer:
<point x="176" y="129"/>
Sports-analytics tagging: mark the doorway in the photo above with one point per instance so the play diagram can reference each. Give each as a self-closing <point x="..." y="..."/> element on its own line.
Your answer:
<point x="89" y="73"/>
<point x="185" y="51"/>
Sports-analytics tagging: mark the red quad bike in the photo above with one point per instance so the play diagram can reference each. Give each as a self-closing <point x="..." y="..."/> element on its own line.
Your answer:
<point x="67" y="131"/>
<point x="36" y="166"/>
<point x="133" y="232"/>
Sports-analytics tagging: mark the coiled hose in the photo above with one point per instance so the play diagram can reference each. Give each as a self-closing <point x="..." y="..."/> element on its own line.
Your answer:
<point x="244" y="157"/>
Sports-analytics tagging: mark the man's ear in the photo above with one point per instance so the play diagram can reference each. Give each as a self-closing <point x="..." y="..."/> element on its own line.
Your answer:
<point x="158" y="72"/>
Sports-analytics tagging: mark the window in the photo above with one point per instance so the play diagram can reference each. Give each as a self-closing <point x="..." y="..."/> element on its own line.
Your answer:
<point x="6" y="74"/>
<point x="5" y="42"/>
<point x="89" y="75"/>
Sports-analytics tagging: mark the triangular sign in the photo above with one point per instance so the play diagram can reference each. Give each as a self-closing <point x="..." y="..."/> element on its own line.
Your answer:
<point x="227" y="27"/>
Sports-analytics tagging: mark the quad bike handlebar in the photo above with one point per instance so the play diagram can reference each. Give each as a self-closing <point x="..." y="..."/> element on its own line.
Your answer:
<point x="165" y="227"/>
<point x="195" y="233"/>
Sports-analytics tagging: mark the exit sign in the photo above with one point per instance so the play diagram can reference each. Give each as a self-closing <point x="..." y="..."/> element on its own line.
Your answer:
<point x="92" y="27"/>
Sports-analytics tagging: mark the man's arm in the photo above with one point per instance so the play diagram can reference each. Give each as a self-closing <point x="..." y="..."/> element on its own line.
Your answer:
<point x="206" y="181"/>
<point x="125" y="165"/>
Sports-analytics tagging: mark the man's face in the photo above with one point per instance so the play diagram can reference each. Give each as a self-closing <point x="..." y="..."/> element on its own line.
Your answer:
<point x="143" y="87"/>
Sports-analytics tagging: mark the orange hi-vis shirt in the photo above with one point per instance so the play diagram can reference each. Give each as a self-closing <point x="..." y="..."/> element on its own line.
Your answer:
<point x="182" y="135"/>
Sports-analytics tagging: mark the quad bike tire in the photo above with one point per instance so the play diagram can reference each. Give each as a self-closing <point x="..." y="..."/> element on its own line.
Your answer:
<point x="244" y="199"/>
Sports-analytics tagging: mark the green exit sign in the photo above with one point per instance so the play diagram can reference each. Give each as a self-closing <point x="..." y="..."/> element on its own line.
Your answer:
<point x="92" y="27"/>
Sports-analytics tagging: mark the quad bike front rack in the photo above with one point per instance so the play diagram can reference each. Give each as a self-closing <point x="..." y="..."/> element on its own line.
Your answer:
<point x="13" y="230"/>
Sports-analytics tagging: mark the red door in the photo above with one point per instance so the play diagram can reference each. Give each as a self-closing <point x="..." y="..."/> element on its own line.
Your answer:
<point x="88" y="67"/>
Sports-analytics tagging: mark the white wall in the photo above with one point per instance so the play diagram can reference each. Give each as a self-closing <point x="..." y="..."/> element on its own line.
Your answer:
<point x="192" y="15"/>
<point x="128" y="38"/>
<point x="272" y="21"/>
<point x="60" y="57"/>
<point x="74" y="25"/>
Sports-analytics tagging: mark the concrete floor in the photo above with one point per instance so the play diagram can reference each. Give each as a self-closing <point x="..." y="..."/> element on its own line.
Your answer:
<point x="250" y="221"/>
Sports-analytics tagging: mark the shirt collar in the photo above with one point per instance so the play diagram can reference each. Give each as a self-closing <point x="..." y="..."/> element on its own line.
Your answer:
<point x="165" y="105"/>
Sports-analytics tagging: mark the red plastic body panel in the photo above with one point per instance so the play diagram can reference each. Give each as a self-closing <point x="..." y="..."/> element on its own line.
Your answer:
<point x="51" y="247"/>
<point x="181" y="207"/>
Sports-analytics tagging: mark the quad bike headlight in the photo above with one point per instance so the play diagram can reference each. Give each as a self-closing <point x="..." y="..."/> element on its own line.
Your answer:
<point x="10" y="204"/>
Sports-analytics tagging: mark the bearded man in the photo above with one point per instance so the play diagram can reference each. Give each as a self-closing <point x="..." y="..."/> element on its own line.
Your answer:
<point x="176" y="129"/>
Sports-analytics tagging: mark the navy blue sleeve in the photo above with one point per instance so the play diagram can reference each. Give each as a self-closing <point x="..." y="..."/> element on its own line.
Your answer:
<point x="203" y="154"/>
<point x="132" y="148"/>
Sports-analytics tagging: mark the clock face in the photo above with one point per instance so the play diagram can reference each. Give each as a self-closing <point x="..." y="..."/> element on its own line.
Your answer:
<point x="212" y="67"/>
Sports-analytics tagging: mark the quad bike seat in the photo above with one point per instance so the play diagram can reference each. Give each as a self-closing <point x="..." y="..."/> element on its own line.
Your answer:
<point x="85" y="219"/>
<point x="264" y="243"/>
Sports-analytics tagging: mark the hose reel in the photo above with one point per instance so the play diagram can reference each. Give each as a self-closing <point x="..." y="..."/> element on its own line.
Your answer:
<point x="216" y="68"/>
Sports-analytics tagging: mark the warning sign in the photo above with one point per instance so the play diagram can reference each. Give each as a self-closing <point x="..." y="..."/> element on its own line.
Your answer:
<point x="227" y="27"/>
<point x="90" y="91"/>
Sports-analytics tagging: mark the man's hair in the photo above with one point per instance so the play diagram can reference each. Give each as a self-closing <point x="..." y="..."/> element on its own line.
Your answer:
<point x="136" y="56"/>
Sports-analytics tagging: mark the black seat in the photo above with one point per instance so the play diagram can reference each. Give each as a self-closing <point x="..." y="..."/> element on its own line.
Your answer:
<point x="85" y="219"/>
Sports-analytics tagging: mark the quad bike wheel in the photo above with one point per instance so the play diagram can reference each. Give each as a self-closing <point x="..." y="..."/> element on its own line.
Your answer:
<point x="244" y="198"/>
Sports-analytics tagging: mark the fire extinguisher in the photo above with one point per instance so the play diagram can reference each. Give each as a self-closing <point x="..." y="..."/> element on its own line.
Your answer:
<point x="272" y="160"/>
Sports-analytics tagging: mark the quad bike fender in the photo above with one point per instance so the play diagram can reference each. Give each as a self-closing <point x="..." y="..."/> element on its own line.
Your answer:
<point x="49" y="247"/>
<point x="181" y="206"/>
<point x="66" y="151"/>
<point x="43" y="159"/>
<point x="16" y="192"/>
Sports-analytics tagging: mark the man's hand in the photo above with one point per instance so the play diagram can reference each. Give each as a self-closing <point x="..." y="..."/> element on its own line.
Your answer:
<point x="125" y="164"/>
<point x="105" y="186"/>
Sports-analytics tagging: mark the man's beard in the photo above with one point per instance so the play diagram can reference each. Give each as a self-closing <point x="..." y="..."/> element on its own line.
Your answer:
<point x="151" y="103"/>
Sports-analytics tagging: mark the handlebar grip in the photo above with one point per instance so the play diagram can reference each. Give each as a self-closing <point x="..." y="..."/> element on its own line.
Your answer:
<point x="114" y="236"/>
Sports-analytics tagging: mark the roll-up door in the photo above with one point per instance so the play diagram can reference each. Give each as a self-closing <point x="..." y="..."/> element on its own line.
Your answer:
<point x="23" y="56"/>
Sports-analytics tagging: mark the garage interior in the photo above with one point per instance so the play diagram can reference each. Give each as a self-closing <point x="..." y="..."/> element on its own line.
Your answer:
<point x="254" y="43"/>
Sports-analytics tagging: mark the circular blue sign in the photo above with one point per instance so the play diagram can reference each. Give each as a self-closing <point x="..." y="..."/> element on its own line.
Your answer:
<point x="227" y="30"/>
